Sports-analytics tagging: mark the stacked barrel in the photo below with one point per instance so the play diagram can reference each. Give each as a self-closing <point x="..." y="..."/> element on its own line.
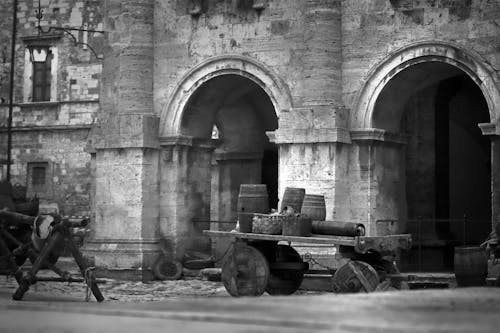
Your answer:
<point x="301" y="214"/>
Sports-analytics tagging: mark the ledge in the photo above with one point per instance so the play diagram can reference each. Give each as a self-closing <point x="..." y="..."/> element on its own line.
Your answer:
<point x="309" y="135"/>
<point x="42" y="39"/>
<point x="488" y="128"/>
<point x="38" y="104"/>
<point x="184" y="140"/>
<point x="225" y="156"/>
<point x="46" y="128"/>
<point x="376" y="134"/>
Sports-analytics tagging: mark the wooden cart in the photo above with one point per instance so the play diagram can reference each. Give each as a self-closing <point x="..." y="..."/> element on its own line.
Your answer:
<point x="255" y="263"/>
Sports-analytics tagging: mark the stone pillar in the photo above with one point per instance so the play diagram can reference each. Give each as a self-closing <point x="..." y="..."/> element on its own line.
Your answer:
<point x="230" y="170"/>
<point x="491" y="130"/>
<point x="233" y="169"/>
<point x="125" y="241"/>
<point x="495" y="181"/>
<point x="317" y="95"/>
<point x="381" y="177"/>
<point x="312" y="135"/>
<point x="185" y="190"/>
<point x="315" y="159"/>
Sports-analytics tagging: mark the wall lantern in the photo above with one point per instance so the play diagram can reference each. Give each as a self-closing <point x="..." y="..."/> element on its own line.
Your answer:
<point x="38" y="53"/>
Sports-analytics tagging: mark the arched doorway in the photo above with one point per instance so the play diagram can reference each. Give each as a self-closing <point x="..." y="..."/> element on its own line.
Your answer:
<point x="242" y="113"/>
<point x="213" y="138"/>
<point x="426" y="119"/>
<point x="221" y="144"/>
<point x="447" y="163"/>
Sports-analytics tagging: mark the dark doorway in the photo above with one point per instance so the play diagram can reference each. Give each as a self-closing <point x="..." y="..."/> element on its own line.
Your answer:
<point x="438" y="107"/>
<point x="270" y="175"/>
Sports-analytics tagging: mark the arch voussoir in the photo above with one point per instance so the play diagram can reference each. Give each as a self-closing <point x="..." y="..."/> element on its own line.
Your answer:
<point x="276" y="89"/>
<point x="430" y="51"/>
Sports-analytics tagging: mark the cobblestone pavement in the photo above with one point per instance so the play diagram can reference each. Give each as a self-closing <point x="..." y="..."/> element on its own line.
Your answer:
<point x="191" y="285"/>
<point x="127" y="291"/>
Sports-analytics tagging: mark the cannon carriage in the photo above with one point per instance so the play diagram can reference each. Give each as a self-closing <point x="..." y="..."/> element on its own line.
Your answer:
<point x="42" y="239"/>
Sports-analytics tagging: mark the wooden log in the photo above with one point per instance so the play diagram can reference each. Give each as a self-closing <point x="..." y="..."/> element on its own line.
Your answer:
<point x="16" y="218"/>
<point x="70" y="279"/>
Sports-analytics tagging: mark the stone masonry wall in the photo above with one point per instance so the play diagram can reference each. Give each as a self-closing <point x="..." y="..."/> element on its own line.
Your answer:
<point x="372" y="29"/>
<point x="298" y="41"/>
<point x="55" y="132"/>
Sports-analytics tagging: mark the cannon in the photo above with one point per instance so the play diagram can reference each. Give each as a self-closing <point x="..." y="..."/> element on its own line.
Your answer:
<point x="48" y="236"/>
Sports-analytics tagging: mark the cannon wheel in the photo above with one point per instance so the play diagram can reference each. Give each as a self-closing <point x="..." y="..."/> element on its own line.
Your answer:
<point x="245" y="271"/>
<point x="287" y="272"/>
<point x="355" y="276"/>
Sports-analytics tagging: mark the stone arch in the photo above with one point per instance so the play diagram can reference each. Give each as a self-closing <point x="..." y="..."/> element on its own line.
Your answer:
<point x="470" y="63"/>
<point x="275" y="88"/>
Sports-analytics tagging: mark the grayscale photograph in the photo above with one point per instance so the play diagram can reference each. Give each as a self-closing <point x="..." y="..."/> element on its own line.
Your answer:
<point x="249" y="166"/>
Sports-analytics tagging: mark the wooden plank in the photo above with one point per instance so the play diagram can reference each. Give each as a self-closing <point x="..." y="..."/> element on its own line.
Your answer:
<point x="316" y="239"/>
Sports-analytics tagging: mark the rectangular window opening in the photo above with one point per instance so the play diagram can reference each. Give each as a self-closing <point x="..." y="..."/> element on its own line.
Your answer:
<point x="38" y="178"/>
<point x="42" y="79"/>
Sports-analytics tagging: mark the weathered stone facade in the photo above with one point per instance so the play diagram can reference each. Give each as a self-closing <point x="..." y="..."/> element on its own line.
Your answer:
<point x="389" y="108"/>
<point x="52" y="133"/>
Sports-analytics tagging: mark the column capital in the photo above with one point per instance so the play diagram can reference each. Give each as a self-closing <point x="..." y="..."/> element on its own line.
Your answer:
<point x="309" y="135"/>
<point x="377" y="134"/>
<point x="189" y="141"/>
<point x="489" y="129"/>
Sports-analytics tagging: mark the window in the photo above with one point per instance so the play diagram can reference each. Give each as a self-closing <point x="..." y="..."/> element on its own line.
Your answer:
<point x="41" y="58"/>
<point x="38" y="176"/>
<point x="41" y="79"/>
<point x="39" y="180"/>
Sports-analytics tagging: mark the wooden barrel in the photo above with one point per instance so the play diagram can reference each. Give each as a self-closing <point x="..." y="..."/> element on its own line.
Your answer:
<point x="253" y="198"/>
<point x="471" y="266"/>
<point x="293" y="197"/>
<point x="245" y="221"/>
<point x="314" y="207"/>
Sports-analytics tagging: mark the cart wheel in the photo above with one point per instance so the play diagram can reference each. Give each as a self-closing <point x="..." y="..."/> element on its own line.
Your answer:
<point x="355" y="276"/>
<point x="245" y="271"/>
<point x="287" y="272"/>
<point x="164" y="269"/>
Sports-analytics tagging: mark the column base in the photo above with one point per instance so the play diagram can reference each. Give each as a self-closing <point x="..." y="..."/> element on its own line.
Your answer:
<point x="127" y="259"/>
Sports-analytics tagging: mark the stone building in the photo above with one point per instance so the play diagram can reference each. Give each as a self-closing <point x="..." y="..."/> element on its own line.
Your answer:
<point x="389" y="108"/>
<point x="55" y="100"/>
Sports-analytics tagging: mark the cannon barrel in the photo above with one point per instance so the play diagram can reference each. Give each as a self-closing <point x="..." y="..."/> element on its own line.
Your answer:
<point x="19" y="219"/>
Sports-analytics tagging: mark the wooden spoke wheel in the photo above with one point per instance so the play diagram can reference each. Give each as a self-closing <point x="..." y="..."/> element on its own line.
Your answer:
<point x="287" y="271"/>
<point x="245" y="271"/>
<point x="355" y="276"/>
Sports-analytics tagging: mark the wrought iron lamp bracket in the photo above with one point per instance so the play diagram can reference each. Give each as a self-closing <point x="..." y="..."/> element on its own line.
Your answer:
<point x="68" y="31"/>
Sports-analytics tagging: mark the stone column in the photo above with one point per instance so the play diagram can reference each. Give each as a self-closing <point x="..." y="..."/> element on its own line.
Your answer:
<point x="125" y="241"/>
<point x="495" y="182"/>
<point x="230" y="170"/>
<point x="381" y="178"/>
<point x="185" y="190"/>
<point x="312" y="135"/>
<point x="490" y="129"/>
<point x="317" y="161"/>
